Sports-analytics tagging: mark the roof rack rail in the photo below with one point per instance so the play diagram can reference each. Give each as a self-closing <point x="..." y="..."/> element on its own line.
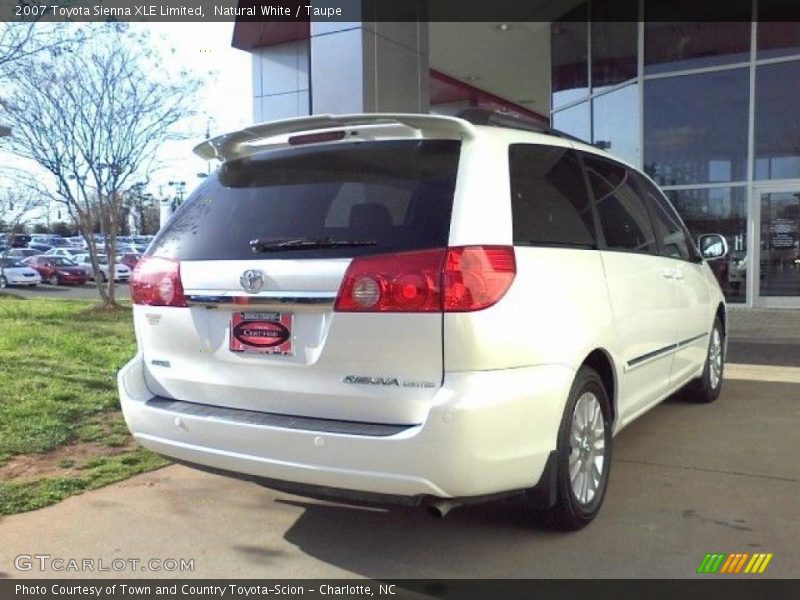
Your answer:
<point x="493" y="118"/>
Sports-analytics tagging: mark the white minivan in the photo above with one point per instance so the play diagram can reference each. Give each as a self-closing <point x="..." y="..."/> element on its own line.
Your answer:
<point x="418" y="309"/>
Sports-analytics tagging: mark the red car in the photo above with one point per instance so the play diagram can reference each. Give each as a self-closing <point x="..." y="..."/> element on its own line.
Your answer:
<point x="57" y="270"/>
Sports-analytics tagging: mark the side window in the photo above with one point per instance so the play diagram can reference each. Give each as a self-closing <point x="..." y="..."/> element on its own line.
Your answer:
<point x="549" y="200"/>
<point x="670" y="234"/>
<point x="623" y="214"/>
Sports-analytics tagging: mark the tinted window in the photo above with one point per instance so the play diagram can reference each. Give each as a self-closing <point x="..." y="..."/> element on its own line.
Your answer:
<point x="569" y="41"/>
<point x="398" y="194"/>
<point x="777" y="128"/>
<point x="615" y="123"/>
<point x="623" y="213"/>
<point x="695" y="42"/>
<point x="695" y="127"/>
<point x="549" y="200"/>
<point x="778" y="28"/>
<point x="575" y="120"/>
<point x="614" y="41"/>
<point x="670" y="233"/>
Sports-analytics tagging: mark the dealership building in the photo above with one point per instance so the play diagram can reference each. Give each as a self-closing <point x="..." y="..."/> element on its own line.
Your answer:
<point x="710" y="110"/>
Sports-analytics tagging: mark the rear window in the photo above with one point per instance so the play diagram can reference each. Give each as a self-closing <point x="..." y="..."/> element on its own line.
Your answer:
<point x="398" y="194"/>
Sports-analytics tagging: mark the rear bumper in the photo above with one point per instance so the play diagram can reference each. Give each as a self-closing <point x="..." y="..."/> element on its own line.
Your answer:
<point x="486" y="432"/>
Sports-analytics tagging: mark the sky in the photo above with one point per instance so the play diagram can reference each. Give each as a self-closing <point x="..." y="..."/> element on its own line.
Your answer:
<point x="224" y="102"/>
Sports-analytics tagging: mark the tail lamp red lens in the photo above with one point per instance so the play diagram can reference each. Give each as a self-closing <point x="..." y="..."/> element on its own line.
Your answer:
<point x="157" y="282"/>
<point x="450" y="279"/>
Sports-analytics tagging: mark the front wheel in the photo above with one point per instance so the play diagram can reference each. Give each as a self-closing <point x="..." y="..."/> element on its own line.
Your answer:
<point x="706" y="389"/>
<point x="583" y="455"/>
<point x="3" y="282"/>
<point x="53" y="280"/>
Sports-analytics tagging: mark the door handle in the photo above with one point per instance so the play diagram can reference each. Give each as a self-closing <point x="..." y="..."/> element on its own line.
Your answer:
<point x="678" y="273"/>
<point x="668" y="274"/>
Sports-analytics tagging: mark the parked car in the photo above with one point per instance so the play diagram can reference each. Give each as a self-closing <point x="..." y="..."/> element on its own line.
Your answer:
<point x="54" y="241"/>
<point x="121" y="272"/>
<point x="69" y="252"/>
<point x="14" y="272"/>
<point x="77" y="241"/>
<point x="58" y="270"/>
<point x="21" y="253"/>
<point x="17" y="240"/>
<point x="420" y="309"/>
<point x="40" y="247"/>
<point x="129" y="259"/>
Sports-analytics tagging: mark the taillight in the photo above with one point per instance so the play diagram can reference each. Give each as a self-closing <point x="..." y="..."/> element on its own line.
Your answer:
<point x="157" y="282"/>
<point x="402" y="282"/>
<point x="451" y="280"/>
<point x="475" y="277"/>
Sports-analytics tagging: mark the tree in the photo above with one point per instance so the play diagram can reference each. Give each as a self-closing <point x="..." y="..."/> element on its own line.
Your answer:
<point x="24" y="40"/>
<point x="15" y="209"/>
<point x="93" y="118"/>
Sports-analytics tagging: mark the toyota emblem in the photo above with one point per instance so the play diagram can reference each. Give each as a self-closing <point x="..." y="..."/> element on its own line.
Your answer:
<point x="252" y="281"/>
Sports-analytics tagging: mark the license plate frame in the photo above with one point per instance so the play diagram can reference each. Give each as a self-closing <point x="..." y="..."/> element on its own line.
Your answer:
<point x="264" y="333"/>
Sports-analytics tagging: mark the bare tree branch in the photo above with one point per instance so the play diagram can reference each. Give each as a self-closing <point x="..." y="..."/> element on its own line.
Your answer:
<point x="93" y="118"/>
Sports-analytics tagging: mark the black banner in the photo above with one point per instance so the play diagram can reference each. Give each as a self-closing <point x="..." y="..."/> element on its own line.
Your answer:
<point x="394" y="11"/>
<point x="481" y="589"/>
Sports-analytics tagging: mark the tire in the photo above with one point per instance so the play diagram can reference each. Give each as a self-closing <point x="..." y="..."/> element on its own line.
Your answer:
<point x="578" y="503"/>
<point x="3" y="282"/>
<point x="53" y="280"/>
<point x="706" y="389"/>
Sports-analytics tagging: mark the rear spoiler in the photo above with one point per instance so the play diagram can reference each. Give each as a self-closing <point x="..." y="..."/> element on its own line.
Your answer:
<point x="246" y="141"/>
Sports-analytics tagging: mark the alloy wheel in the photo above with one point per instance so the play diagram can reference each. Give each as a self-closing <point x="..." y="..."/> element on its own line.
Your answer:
<point x="587" y="448"/>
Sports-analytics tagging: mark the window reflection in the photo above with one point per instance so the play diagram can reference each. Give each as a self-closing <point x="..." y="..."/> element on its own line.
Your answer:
<point x="616" y="123"/>
<point x="614" y="42"/>
<point x="677" y="46"/>
<point x="723" y="211"/>
<point x="695" y="127"/>
<point x="575" y="120"/>
<point x="777" y="143"/>
<point x="570" y="54"/>
<point x="778" y="28"/>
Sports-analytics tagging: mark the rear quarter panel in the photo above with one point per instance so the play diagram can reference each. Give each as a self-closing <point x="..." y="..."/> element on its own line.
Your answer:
<point x="556" y="312"/>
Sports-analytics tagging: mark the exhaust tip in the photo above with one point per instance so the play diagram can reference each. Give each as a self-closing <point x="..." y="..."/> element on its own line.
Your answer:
<point x="438" y="509"/>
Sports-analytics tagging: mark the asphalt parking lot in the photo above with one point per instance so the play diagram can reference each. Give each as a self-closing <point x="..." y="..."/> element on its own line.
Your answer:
<point x="686" y="480"/>
<point x="87" y="291"/>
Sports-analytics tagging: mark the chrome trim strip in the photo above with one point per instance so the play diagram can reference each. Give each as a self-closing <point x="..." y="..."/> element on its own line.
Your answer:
<point x="646" y="358"/>
<point x="692" y="339"/>
<point x="217" y="298"/>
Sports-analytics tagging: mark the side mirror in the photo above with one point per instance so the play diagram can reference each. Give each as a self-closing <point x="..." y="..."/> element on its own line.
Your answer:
<point x="713" y="246"/>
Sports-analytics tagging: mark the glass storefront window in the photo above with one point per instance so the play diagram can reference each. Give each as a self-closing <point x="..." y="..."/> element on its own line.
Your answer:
<point x="778" y="28"/>
<point x="670" y="46"/>
<point x="616" y="123"/>
<point x="724" y="211"/>
<point x="569" y="46"/>
<point x="695" y="127"/>
<point x="614" y="42"/>
<point x="575" y="120"/>
<point x="777" y="150"/>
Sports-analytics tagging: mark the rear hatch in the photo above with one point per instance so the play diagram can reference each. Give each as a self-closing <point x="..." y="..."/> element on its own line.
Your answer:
<point x="263" y="246"/>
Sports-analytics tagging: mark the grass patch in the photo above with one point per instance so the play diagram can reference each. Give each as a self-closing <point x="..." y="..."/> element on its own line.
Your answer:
<point x="18" y="497"/>
<point x="58" y="365"/>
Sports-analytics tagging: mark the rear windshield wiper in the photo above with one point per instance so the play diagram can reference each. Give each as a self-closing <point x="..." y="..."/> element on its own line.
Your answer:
<point x="259" y="245"/>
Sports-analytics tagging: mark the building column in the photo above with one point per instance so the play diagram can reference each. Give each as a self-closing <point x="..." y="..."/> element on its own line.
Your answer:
<point x="369" y="67"/>
<point x="281" y="81"/>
